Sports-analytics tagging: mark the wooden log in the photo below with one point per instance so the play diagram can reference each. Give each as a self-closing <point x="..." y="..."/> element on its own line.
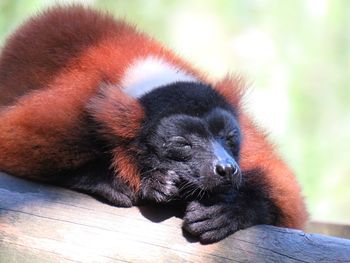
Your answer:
<point x="40" y="223"/>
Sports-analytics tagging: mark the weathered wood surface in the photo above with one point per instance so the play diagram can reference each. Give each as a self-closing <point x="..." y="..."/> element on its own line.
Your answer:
<point x="40" y="223"/>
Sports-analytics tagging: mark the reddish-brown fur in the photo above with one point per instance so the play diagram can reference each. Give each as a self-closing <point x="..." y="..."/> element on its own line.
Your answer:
<point x="107" y="108"/>
<point x="46" y="87"/>
<point x="125" y="165"/>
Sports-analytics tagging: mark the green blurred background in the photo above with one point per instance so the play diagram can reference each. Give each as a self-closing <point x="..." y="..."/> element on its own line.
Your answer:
<point x="296" y="55"/>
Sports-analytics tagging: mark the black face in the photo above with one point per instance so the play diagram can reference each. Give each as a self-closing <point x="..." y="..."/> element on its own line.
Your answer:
<point x="202" y="151"/>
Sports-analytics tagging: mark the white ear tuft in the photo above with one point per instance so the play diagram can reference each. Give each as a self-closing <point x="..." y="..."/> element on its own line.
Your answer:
<point x="151" y="73"/>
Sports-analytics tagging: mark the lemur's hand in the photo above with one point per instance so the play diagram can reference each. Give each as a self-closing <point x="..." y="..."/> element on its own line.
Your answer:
<point x="214" y="219"/>
<point x="160" y="188"/>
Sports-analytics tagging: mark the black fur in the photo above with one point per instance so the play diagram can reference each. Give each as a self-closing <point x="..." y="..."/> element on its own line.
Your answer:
<point x="183" y="122"/>
<point x="98" y="178"/>
<point x="188" y="129"/>
<point x="189" y="98"/>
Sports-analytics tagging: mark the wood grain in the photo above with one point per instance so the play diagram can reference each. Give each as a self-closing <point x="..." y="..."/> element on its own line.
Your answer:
<point x="40" y="223"/>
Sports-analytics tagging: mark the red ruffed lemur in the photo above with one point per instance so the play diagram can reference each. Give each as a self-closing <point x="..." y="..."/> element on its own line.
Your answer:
<point x="90" y="103"/>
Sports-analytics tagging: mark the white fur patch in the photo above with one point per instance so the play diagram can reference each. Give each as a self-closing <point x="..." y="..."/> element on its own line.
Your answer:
<point x="150" y="73"/>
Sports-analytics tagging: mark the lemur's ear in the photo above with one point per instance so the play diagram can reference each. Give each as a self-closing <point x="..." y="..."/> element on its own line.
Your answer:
<point x="118" y="114"/>
<point x="119" y="118"/>
<point x="232" y="88"/>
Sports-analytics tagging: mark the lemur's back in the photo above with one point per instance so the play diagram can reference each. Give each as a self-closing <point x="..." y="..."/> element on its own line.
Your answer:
<point x="36" y="53"/>
<point x="46" y="129"/>
<point x="49" y="70"/>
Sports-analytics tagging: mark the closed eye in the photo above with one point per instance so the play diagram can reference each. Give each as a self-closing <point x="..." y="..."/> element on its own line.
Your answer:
<point x="179" y="142"/>
<point x="178" y="148"/>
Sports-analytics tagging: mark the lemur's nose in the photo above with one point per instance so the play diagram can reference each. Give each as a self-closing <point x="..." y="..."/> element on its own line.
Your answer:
<point x="226" y="168"/>
<point x="224" y="164"/>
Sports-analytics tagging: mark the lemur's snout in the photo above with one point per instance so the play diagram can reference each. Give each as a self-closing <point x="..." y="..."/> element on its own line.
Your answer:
<point x="224" y="164"/>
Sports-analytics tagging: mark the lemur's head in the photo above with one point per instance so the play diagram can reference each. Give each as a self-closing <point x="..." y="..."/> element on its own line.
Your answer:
<point x="190" y="130"/>
<point x="187" y="129"/>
